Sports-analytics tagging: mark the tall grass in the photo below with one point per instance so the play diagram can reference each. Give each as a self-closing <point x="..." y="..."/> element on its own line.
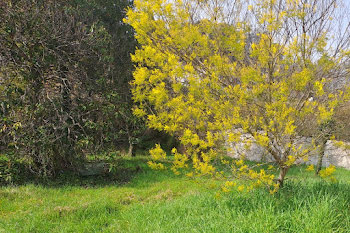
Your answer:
<point x="153" y="201"/>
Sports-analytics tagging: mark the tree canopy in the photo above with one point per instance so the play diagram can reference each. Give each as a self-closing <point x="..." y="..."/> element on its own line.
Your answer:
<point x="64" y="80"/>
<point x="210" y="72"/>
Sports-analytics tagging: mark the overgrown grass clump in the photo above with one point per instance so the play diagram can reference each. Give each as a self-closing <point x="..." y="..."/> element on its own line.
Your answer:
<point x="137" y="199"/>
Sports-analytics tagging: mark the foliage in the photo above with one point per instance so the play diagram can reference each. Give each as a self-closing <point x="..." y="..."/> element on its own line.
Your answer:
<point x="64" y="91"/>
<point x="12" y="171"/>
<point x="210" y="72"/>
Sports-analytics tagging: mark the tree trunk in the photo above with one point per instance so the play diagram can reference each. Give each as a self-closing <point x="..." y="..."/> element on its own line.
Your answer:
<point x="131" y="145"/>
<point x="283" y="172"/>
<point x="131" y="149"/>
<point x="325" y="129"/>
<point x="320" y="157"/>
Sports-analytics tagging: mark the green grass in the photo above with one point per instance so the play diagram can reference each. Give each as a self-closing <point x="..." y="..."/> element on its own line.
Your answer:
<point x="138" y="199"/>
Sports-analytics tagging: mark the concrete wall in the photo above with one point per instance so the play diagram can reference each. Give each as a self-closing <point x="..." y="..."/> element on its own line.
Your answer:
<point x="335" y="155"/>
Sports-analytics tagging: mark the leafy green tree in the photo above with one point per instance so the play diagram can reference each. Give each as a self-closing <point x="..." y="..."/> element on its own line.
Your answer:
<point x="65" y="71"/>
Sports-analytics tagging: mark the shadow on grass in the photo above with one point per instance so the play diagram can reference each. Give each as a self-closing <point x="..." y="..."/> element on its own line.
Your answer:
<point x="122" y="172"/>
<point x="133" y="172"/>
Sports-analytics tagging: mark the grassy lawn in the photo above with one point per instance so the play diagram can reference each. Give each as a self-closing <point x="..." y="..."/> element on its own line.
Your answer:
<point x="153" y="201"/>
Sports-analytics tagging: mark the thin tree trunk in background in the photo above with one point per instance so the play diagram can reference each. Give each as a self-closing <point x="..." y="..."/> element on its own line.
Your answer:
<point x="131" y="149"/>
<point x="283" y="172"/>
<point x="326" y="130"/>
<point x="320" y="157"/>
<point x="131" y="146"/>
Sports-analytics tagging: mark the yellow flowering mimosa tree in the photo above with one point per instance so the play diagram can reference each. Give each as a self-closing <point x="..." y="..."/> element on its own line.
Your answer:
<point x="209" y="71"/>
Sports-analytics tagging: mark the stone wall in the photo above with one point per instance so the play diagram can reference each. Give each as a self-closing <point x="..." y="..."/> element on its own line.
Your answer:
<point x="335" y="155"/>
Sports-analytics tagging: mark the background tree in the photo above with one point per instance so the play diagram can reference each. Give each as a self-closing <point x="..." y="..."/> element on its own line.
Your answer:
<point x="200" y="78"/>
<point x="65" y="68"/>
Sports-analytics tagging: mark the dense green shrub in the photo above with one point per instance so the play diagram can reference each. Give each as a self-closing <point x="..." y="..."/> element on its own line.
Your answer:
<point x="12" y="170"/>
<point x="64" y="81"/>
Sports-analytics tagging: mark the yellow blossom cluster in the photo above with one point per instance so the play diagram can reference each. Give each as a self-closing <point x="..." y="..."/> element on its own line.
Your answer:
<point x="328" y="172"/>
<point x="156" y="166"/>
<point x="310" y="168"/>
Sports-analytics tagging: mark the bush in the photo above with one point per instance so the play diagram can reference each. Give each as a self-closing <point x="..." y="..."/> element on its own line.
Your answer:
<point x="64" y="81"/>
<point x="12" y="170"/>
